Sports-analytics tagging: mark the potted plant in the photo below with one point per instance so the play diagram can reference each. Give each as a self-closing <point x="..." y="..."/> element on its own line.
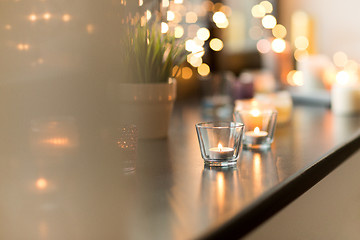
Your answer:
<point x="148" y="88"/>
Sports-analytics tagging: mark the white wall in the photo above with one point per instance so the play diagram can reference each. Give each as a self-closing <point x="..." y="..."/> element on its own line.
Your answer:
<point x="337" y="24"/>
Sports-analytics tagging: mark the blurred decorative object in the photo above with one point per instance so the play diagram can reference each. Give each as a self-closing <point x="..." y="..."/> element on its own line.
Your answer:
<point x="53" y="136"/>
<point x="282" y="103"/>
<point x="259" y="126"/>
<point x="127" y="141"/>
<point x="278" y="59"/>
<point x="302" y="33"/>
<point x="147" y="96"/>
<point x="264" y="81"/>
<point x="242" y="87"/>
<point x="345" y="97"/>
<point x="220" y="142"/>
<point x="314" y="69"/>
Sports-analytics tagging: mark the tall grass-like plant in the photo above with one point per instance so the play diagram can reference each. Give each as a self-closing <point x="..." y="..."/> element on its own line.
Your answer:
<point x="149" y="56"/>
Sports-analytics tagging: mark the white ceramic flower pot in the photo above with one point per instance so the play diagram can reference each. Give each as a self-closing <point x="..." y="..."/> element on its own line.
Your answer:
<point x="148" y="106"/>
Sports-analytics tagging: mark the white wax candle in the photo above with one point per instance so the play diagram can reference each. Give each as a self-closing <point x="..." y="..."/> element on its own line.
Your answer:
<point x="345" y="99"/>
<point x="221" y="152"/>
<point x="256" y="136"/>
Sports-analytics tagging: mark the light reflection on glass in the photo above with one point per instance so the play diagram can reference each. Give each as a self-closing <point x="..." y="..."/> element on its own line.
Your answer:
<point x="258" y="171"/>
<point x="220" y="190"/>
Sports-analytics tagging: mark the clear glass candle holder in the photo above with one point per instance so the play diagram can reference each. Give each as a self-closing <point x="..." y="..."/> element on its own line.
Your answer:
<point x="220" y="142"/>
<point x="259" y="127"/>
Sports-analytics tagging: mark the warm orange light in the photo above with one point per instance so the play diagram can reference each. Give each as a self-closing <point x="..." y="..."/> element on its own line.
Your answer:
<point x="41" y="183"/>
<point x="220" y="147"/>
<point x="223" y="24"/>
<point x="216" y="44"/>
<point x="57" y="141"/>
<point x="47" y="16"/>
<point x="32" y="17"/>
<point x="255" y="112"/>
<point x="203" y="69"/>
<point x="90" y="28"/>
<point x="191" y="17"/>
<point x="186" y="73"/>
<point x="279" y="31"/>
<point x="257" y="130"/>
<point x="66" y="17"/>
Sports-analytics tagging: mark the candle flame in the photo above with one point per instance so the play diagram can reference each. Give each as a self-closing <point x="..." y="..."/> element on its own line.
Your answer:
<point x="257" y="130"/>
<point x="220" y="147"/>
<point x="255" y="112"/>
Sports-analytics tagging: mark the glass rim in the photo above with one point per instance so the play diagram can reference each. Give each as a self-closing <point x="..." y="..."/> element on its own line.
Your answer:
<point x="204" y="125"/>
<point x="261" y="112"/>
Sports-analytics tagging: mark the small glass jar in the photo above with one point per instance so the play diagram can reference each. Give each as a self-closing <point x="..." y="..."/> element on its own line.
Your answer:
<point x="259" y="127"/>
<point x="220" y="142"/>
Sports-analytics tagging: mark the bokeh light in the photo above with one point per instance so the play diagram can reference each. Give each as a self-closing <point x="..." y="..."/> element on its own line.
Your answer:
<point x="165" y="3"/>
<point x="178" y="1"/>
<point x="342" y="77"/>
<point x="223" y="24"/>
<point x="279" y="31"/>
<point x="219" y="17"/>
<point x="178" y="31"/>
<point x="164" y="27"/>
<point x="186" y="73"/>
<point x="290" y="76"/>
<point x="148" y="15"/>
<point x="41" y="183"/>
<point x="204" y="69"/>
<point x="203" y="34"/>
<point x="32" y="17"/>
<point x="263" y="46"/>
<point x="278" y="45"/>
<point x="66" y="17"/>
<point x="267" y="5"/>
<point x="191" y="17"/>
<point x="170" y="16"/>
<point x="258" y="11"/>
<point x="216" y="44"/>
<point x="298" y="78"/>
<point x="300" y="54"/>
<point x="189" y="45"/>
<point x="302" y="43"/>
<point x="194" y="60"/>
<point x="340" y="59"/>
<point x="47" y="16"/>
<point x="269" y="21"/>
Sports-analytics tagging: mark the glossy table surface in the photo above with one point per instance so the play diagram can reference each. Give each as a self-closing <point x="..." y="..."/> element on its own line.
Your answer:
<point x="61" y="177"/>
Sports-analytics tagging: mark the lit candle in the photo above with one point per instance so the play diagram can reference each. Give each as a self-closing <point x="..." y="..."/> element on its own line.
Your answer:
<point x="221" y="152"/>
<point x="256" y="136"/>
<point x="345" y="95"/>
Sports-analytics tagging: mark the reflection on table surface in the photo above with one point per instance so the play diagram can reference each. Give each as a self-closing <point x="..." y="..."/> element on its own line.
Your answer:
<point x="63" y="178"/>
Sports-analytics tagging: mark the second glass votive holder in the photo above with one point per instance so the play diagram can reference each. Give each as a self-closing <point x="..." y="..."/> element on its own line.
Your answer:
<point x="220" y="142"/>
<point x="259" y="127"/>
